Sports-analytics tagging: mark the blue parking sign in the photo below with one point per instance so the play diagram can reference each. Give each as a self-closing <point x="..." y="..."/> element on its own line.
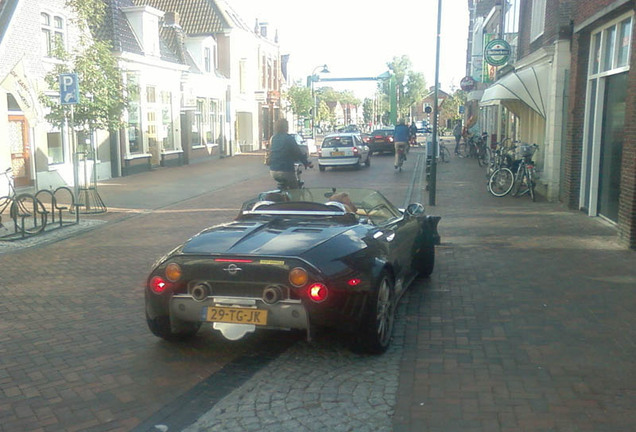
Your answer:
<point x="69" y="89"/>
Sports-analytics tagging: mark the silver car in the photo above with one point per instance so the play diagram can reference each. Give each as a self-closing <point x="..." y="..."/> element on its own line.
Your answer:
<point x="343" y="149"/>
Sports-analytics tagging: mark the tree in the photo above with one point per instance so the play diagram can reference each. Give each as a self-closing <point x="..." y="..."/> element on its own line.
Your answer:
<point x="300" y="100"/>
<point x="367" y="110"/>
<point x="102" y="96"/>
<point x="450" y="108"/>
<point x="410" y="85"/>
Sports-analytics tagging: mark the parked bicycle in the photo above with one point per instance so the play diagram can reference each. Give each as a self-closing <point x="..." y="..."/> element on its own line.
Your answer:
<point x="27" y="212"/>
<point x="444" y="153"/>
<point x="501" y="156"/>
<point x="525" y="176"/>
<point x="519" y="179"/>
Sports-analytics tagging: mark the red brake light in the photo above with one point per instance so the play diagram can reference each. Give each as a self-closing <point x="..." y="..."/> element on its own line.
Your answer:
<point x="354" y="282"/>
<point x="158" y="285"/>
<point x="317" y="292"/>
<point x="355" y="150"/>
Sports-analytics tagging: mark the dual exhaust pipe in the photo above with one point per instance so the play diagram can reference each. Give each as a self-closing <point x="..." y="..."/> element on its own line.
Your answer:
<point x="271" y="295"/>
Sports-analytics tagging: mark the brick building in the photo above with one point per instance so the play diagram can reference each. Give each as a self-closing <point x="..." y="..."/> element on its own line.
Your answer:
<point x="567" y="87"/>
<point x="600" y="156"/>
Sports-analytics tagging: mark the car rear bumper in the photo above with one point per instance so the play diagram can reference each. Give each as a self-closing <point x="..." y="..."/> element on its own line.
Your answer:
<point x="341" y="161"/>
<point x="284" y="314"/>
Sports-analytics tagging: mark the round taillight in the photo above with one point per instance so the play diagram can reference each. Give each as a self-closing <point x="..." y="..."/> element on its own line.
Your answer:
<point x="173" y="272"/>
<point x="318" y="292"/>
<point x="298" y="277"/>
<point x="158" y="285"/>
<point x="355" y="150"/>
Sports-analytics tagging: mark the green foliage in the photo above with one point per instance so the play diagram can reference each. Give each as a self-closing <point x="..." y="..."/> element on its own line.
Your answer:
<point x="102" y="101"/>
<point x="450" y="108"/>
<point x="410" y="85"/>
<point x="367" y="110"/>
<point x="299" y="98"/>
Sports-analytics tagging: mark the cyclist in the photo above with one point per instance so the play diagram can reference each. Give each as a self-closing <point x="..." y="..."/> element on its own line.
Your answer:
<point x="413" y="134"/>
<point x="401" y="137"/>
<point x="284" y="152"/>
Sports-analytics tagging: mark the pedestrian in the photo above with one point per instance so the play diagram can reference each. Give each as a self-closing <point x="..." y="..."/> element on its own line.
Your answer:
<point x="457" y="132"/>
<point x="284" y="153"/>
<point x="401" y="139"/>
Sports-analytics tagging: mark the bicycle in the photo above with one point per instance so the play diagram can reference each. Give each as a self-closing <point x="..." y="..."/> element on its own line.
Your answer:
<point x="483" y="150"/>
<point x="521" y="172"/>
<point x="401" y="157"/>
<point x="525" y="174"/>
<point x="444" y="153"/>
<point x="500" y="157"/>
<point x="25" y="207"/>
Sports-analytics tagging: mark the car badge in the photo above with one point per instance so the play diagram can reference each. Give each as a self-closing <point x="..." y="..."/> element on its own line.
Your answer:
<point x="232" y="269"/>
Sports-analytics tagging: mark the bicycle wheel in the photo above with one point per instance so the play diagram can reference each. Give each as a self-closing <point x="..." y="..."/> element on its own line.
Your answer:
<point x="501" y="182"/>
<point x="31" y="213"/>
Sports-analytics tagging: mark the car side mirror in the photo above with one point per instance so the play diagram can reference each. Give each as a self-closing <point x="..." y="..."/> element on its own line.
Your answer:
<point x="414" y="209"/>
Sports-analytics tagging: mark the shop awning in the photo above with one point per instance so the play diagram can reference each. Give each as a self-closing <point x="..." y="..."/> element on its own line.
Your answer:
<point x="527" y="85"/>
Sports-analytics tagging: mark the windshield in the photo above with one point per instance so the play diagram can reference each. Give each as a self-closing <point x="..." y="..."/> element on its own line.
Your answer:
<point x="365" y="201"/>
<point x="352" y="202"/>
<point x="338" y="142"/>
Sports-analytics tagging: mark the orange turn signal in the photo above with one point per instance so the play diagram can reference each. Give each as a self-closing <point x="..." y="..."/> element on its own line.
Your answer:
<point x="173" y="272"/>
<point x="298" y="277"/>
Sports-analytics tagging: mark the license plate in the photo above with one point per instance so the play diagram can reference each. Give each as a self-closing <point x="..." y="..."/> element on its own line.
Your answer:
<point x="337" y="153"/>
<point x="236" y="315"/>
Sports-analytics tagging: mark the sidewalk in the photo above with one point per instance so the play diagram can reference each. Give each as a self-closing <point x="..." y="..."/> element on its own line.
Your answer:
<point x="527" y="323"/>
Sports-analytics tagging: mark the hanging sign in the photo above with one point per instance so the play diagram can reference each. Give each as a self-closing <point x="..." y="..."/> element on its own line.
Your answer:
<point x="467" y="83"/>
<point x="497" y="52"/>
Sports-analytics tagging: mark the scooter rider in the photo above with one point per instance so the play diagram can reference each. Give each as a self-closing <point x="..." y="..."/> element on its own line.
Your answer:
<point x="284" y="152"/>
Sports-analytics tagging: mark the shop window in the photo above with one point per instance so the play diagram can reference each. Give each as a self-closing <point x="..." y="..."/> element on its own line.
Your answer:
<point x="135" y="145"/>
<point x="55" y="149"/>
<point x="166" y="121"/>
<point x="197" y="124"/>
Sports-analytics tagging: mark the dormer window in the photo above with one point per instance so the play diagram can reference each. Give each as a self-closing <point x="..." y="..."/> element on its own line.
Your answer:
<point x="52" y="34"/>
<point x="207" y="59"/>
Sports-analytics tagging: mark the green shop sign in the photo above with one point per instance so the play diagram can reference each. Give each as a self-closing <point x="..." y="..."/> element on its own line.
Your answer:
<point x="497" y="52"/>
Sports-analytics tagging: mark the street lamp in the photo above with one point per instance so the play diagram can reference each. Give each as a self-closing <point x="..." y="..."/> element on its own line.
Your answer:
<point x="314" y="78"/>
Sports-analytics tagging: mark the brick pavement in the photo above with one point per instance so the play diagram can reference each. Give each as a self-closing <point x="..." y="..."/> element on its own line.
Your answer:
<point x="525" y="325"/>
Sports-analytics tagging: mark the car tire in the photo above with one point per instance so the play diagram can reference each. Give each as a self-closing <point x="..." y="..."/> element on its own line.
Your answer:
<point x="160" y="327"/>
<point x="321" y="167"/>
<point x="376" y="330"/>
<point x="425" y="261"/>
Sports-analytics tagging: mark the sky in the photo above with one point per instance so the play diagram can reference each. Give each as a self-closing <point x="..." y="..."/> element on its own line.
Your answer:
<point x="357" y="38"/>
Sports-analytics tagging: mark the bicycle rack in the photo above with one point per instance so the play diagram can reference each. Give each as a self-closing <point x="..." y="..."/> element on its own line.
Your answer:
<point x="45" y="203"/>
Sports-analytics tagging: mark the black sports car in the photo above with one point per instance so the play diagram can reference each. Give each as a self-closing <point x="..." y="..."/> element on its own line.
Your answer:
<point x="296" y="260"/>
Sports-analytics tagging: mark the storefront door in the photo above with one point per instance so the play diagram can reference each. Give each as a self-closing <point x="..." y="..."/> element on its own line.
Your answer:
<point x="20" y="150"/>
<point x="609" y="187"/>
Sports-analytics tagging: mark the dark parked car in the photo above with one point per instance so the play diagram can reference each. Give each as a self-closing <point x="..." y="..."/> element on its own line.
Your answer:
<point x="298" y="259"/>
<point x="381" y="141"/>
